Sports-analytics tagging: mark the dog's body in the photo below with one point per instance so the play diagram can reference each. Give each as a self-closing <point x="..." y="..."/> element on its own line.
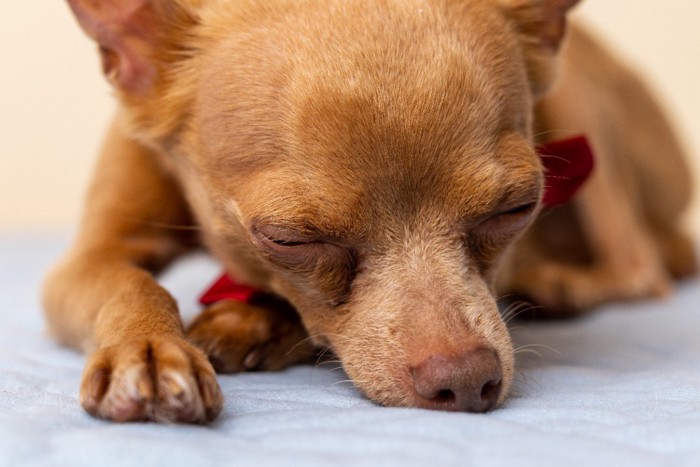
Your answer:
<point x="372" y="163"/>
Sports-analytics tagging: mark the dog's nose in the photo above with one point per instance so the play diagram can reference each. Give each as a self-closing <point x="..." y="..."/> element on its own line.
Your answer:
<point x="470" y="382"/>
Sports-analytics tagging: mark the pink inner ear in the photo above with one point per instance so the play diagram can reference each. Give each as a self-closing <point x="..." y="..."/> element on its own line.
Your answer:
<point x="567" y="165"/>
<point x="127" y="32"/>
<point x="556" y="11"/>
<point x="544" y="21"/>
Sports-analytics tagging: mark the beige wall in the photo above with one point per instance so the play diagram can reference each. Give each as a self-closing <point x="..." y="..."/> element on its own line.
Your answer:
<point x="53" y="109"/>
<point x="54" y="105"/>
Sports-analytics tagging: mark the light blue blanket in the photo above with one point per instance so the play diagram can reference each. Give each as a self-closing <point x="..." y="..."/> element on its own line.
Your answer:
<point x="621" y="387"/>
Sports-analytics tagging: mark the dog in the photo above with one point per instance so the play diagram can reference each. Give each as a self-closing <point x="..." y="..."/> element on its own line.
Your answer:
<point x="370" y="168"/>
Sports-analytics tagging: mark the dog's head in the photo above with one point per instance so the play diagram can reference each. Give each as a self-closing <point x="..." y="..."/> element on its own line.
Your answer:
<point x="370" y="161"/>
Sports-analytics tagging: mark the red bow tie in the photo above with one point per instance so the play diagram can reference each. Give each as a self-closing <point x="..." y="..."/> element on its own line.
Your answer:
<point x="567" y="164"/>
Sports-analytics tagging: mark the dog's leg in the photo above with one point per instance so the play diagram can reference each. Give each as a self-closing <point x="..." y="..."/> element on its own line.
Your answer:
<point x="625" y="260"/>
<point x="628" y="216"/>
<point x="663" y="184"/>
<point x="103" y="297"/>
<point x="678" y="251"/>
<point x="240" y="337"/>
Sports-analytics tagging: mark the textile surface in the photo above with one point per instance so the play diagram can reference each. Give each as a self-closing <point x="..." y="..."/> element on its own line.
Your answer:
<point x="619" y="387"/>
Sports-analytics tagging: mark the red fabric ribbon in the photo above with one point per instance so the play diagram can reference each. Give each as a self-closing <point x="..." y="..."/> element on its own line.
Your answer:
<point x="225" y="288"/>
<point x="567" y="164"/>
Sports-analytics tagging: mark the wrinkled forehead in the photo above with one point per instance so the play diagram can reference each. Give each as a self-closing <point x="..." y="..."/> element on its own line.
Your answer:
<point x="358" y="197"/>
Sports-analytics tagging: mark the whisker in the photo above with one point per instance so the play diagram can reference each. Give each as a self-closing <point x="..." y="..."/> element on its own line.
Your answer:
<point x="337" y="368"/>
<point x="516" y="309"/>
<point x="525" y="347"/>
<point x="320" y="356"/>
<point x="504" y="296"/>
<point x="552" y="131"/>
<point x="301" y="342"/>
<point x="522" y="382"/>
<point x="346" y="381"/>
<point x="551" y="156"/>
<point x="329" y="362"/>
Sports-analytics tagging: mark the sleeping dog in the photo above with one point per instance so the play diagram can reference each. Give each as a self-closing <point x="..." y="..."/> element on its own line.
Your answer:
<point x="366" y="172"/>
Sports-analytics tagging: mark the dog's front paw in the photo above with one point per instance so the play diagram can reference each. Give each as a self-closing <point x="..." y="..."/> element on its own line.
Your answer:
<point x="151" y="378"/>
<point x="240" y="337"/>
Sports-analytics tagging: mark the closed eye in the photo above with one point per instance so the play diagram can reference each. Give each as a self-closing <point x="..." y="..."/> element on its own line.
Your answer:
<point x="508" y="220"/>
<point x="288" y="243"/>
<point x="519" y="210"/>
<point x="292" y="248"/>
<point x="329" y="268"/>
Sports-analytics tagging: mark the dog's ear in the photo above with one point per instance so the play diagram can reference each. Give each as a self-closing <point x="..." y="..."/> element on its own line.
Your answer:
<point x="131" y="35"/>
<point x="541" y="22"/>
<point x="541" y="25"/>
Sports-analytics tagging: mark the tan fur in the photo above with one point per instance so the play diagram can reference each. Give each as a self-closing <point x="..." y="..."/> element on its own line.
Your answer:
<point x="620" y="238"/>
<point x="390" y="140"/>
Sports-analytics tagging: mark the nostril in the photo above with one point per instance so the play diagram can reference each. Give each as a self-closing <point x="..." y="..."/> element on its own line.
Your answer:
<point x="444" y="396"/>
<point x="490" y="393"/>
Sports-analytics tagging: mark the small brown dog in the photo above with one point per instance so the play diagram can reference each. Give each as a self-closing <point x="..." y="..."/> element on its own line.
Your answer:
<point x="371" y="163"/>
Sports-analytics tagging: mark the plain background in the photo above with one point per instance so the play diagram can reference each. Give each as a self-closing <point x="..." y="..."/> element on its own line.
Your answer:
<point x="54" y="104"/>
